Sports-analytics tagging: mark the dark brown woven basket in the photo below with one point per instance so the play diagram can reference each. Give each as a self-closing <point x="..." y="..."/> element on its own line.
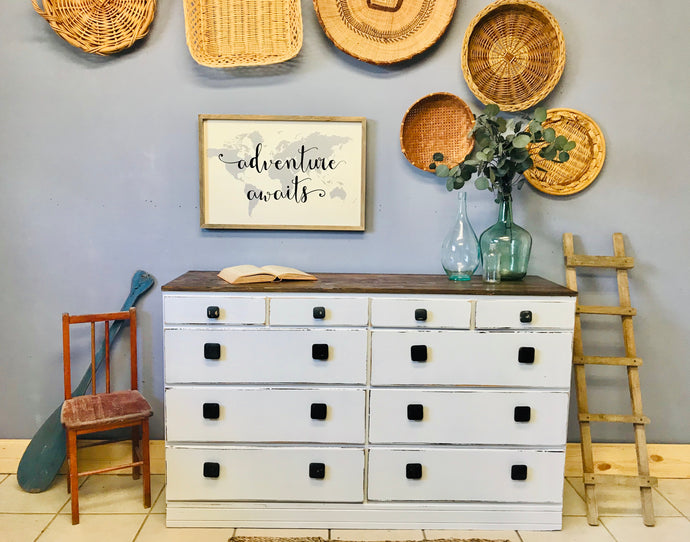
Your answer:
<point x="513" y="54"/>
<point x="101" y="27"/>
<point x="438" y="122"/>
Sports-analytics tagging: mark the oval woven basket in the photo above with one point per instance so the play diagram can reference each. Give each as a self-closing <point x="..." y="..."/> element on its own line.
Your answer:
<point x="438" y="122"/>
<point x="228" y="33"/>
<point x="101" y="27"/>
<point x="513" y="54"/>
<point x="586" y="159"/>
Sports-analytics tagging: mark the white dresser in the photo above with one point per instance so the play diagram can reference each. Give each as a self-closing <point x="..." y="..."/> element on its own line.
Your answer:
<point x="366" y="401"/>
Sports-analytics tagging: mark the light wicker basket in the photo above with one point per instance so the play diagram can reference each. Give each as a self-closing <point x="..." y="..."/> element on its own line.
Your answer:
<point x="101" y="27"/>
<point x="227" y="33"/>
<point x="586" y="159"/>
<point x="438" y="122"/>
<point x="513" y="54"/>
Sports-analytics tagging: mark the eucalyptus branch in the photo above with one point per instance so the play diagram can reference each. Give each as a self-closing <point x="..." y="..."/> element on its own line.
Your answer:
<point x="501" y="151"/>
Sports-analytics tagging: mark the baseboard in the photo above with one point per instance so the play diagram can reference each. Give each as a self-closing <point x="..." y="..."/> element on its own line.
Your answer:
<point x="666" y="460"/>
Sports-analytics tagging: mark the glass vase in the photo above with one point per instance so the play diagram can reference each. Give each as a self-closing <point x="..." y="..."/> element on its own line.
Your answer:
<point x="512" y="242"/>
<point x="460" y="249"/>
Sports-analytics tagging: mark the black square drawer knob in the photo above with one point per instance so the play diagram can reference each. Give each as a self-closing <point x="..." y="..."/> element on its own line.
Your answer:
<point x="213" y="312"/>
<point x="212" y="350"/>
<point x="420" y="315"/>
<point x="317" y="471"/>
<point x="211" y="411"/>
<point x="415" y="412"/>
<point x="319" y="351"/>
<point x="518" y="472"/>
<point x="319" y="411"/>
<point x="522" y="413"/>
<point x="526" y="354"/>
<point x="413" y="471"/>
<point x="319" y="313"/>
<point x="211" y="469"/>
<point x="525" y="317"/>
<point x="418" y="352"/>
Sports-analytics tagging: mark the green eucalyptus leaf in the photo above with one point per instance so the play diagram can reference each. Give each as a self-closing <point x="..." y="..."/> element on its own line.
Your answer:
<point x="534" y="126"/>
<point x="454" y="170"/>
<point x="442" y="170"/>
<point x="563" y="156"/>
<point x="549" y="135"/>
<point x="561" y="141"/>
<point x="482" y="183"/>
<point x="548" y="153"/>
<point x="521" y="141"/>
<point x="569" y="146"/>
<point x="458" y="184"/>
<point x="432" y="166"/>
<point x="492" y="110"/>
<point x="518" y="155"/>
<point x="540" y="114"/>
<point x="438" y="157"/>
<point x="502" y="124"/>
<point x="518" y="127"/>
<point x="449" y="185"/>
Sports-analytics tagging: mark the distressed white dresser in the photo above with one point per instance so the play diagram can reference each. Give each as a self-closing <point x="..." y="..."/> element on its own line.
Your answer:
<point x="366" y="401"/>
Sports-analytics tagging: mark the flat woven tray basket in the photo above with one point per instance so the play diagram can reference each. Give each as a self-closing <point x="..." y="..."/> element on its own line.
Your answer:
<point x="586" y="159"/>
<point x="227" y="33"/>
<point x="438" y="122"/>
<point x="101" y="27"/>
<point x="513" y="54"/>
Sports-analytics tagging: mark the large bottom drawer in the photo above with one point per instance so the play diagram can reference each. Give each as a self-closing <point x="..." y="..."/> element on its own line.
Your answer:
<point x="477" y="474"/>
<point x="265" y="474"/>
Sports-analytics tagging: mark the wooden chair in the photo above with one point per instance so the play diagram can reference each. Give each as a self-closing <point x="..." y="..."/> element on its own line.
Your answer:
<point x="103" y="411"/>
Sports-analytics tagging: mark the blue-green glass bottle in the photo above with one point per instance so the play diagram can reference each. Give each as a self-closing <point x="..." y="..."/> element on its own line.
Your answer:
<point x="513" y="243"/>
<point x="460" y="249"/>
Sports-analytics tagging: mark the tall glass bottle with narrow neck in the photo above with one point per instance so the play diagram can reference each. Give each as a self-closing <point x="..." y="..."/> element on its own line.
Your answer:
<point x="460" y="249"/>
<point x="512" y="242"/>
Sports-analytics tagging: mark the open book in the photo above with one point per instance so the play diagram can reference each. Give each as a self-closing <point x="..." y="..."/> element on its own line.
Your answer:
<point x="242" y="274"/>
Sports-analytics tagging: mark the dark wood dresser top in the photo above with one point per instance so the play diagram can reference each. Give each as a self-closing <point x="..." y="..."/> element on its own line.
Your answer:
<point x="370" y="283"/>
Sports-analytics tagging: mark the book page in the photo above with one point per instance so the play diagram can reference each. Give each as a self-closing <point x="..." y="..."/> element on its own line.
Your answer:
<point x="288" y="273"/>
<point x="242" y="274"/>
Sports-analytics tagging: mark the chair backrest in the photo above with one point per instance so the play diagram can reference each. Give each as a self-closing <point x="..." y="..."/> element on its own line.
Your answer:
<point x="103" y="355"/>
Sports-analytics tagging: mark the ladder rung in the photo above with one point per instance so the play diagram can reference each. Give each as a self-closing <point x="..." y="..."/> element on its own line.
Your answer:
<point x="615" y="262"/>
<point x="611" y="311"/>
<point x="604" y="360"/>
<point x="620" y="480"/>
<point x="613" y="418"/>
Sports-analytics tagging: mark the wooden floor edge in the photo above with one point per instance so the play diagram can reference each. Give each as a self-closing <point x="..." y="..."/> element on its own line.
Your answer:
<point x="666" y="460"/>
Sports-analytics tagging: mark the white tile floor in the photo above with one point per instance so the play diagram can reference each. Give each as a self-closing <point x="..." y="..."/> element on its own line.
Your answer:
<point x="111" y="510"/>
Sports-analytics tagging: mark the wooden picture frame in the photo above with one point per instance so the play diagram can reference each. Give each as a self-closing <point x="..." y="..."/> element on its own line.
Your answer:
<point x="282" y="172"/>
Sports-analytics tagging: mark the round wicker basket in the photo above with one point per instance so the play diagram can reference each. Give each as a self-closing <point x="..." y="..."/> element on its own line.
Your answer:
<point x="586" y="159"/>
<point x="438" y="122"/>
<point x="513" y="54"/>
<point x="101" y="27"/>
<point x="229" y="33"/>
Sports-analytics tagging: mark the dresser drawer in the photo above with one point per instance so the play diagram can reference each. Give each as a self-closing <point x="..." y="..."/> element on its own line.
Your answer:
<point x="253" y="355"/>
<point x="416" y="416"/>
<point x="319" y="311"/>
<point x="465" y="475"/>
<point x="422" y="312"/>
<point x="265" y="474"/>
<point x="524" y="314"/>
<point x="470" y="358"/>
<point x="215" y="309"/>
<point x="223" y="414"/>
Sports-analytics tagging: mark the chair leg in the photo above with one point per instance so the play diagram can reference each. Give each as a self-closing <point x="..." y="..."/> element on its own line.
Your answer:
<point x="73" y="474"/>
<point x="145" y="457"/>
<point x="136" y="456"/>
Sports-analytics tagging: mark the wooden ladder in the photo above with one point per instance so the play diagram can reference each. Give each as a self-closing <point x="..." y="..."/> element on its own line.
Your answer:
<point x="621" y="264"/>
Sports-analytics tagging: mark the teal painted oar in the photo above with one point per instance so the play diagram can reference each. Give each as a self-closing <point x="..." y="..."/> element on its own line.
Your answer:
<point x="46" y="452"/>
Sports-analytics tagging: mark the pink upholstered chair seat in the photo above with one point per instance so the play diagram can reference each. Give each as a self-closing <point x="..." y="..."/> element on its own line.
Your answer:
<point x="85" y="411"/>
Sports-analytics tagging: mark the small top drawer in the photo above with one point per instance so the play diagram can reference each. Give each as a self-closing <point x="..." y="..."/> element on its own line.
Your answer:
<point x="319" y="311"/>
<point x="422" y="312"/>
<point x="525" y="314"/>
<point x="216" y="309"/>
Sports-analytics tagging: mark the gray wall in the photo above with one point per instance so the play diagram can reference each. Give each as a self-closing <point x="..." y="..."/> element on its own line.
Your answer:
<point x="99" y="177"/>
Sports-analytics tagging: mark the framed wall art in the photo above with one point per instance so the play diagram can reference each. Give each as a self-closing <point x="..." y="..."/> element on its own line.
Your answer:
<point x="285" y="172"/>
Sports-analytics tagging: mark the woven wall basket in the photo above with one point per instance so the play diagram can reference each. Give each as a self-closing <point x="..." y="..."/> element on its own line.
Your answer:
<point x="438" y="122"/>
<point x="227" y="33"/>
<point x="99" y="26"/>
<point x="586" y="159"/>
<point x="513" y="54"/>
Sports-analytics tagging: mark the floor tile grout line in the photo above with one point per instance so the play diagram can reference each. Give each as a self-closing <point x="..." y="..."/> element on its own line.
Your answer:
<point x="670" y="502"/>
